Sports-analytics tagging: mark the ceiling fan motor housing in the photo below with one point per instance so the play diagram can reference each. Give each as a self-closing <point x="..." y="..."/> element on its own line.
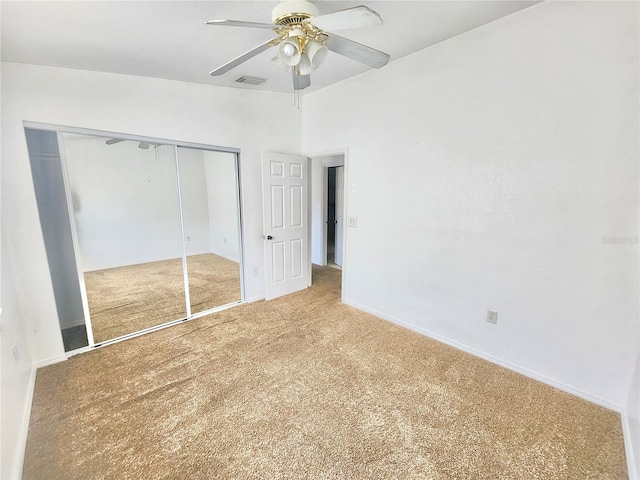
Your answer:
<point x="293" y="12"/>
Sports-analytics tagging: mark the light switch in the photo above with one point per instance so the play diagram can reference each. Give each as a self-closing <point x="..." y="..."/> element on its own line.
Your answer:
<point x="353" y="221"/>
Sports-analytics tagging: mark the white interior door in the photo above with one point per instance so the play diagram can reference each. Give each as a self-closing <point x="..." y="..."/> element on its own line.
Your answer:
<point x="339" y="214"/>
<point x="285" y="219"/>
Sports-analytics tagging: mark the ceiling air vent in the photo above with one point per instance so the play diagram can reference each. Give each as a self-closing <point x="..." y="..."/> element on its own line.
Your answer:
<point x="249" y="80"/>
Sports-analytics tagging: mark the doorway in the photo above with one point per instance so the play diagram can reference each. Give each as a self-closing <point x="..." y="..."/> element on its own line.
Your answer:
<point x="327" y="210"/>
<point x="335" y="215"/>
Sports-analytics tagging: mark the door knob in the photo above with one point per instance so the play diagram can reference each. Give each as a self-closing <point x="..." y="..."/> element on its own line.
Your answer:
<point x="269" y="237"/>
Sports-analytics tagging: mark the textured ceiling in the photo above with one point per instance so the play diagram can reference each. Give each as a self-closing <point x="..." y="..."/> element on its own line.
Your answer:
<point x="169" y="39"/>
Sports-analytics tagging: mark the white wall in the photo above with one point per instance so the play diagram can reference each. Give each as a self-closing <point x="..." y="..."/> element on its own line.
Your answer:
<point x="125" y="202"/>
<point x="17" y="372"/>
<point x="116" y="103"/>
<point x="220" y="174"/>
<point x="494" y="170"/>
<point x="193" y="191"/>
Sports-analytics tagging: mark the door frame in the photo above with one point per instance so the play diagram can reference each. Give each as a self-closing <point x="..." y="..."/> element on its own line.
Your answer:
<point x="337" y="231"/>
<point x="325" y="162"/>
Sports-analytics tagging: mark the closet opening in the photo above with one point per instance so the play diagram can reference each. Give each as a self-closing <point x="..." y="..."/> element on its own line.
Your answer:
<point x="140" y="233"/>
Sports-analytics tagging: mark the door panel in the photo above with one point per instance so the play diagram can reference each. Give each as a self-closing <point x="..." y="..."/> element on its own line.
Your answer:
<point x="296" y="206"/>
<point x="277" y="262"/>
<point x="277" y="207"/>
<point x="285" y="223"/>
<point x="296" y="258"/>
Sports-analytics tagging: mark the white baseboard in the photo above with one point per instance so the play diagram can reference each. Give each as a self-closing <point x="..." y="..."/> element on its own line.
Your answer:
<point x="254" y="299"/>
<point x="476" y="353"/>
<point x="49" y="361"/>
<point x="21" y="443"/>
<point x="634" y="474"/>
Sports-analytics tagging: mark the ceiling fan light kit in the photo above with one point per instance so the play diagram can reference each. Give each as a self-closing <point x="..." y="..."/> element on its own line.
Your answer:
<point x="290" y="52"/>
<point x="303" y="38"/>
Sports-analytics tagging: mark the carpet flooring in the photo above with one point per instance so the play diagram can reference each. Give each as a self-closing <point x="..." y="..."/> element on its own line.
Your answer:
<point x="305" y="387"/>
<point x="128" y="299"/>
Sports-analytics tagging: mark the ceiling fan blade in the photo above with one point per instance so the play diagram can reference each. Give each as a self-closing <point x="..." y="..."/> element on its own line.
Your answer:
<point x="358" y="52"/>
<point x="300" y="82"/>
<point x="112" y="141"/>
<point x="242" y="58"/>
<point x="349" y="18"/>
<point x="240" y="23"/>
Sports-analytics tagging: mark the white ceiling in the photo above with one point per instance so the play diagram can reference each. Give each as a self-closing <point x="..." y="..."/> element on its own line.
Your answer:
<point x="168" y="39"/>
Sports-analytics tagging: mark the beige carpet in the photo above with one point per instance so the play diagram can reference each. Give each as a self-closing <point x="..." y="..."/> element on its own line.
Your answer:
<point x="213" y="281"/>
<point x="304" y="387"/>
<point x="128" y="299"/>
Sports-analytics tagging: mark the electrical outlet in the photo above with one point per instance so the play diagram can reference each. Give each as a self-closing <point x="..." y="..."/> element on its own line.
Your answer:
<point x="256" y="270"/>
<point x="492" y="316"/>
<point x="353" y="222"/>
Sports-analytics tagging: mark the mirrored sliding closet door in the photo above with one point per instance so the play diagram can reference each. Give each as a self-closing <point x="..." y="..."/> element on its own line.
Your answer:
<point x="155" y="228"/>
<point x="211" y="226"/>
<point x="124" y="198"/>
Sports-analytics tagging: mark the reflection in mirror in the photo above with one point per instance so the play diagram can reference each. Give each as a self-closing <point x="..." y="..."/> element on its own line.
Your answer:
<point x="126" y="212"/>
<point x="209" y="193"/>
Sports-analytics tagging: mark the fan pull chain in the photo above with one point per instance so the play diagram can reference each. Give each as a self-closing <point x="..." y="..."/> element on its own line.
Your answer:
<point x="296" y="93"/>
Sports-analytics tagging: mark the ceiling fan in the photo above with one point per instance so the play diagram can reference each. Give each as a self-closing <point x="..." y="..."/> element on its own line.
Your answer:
<point x="304" y="38"/>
